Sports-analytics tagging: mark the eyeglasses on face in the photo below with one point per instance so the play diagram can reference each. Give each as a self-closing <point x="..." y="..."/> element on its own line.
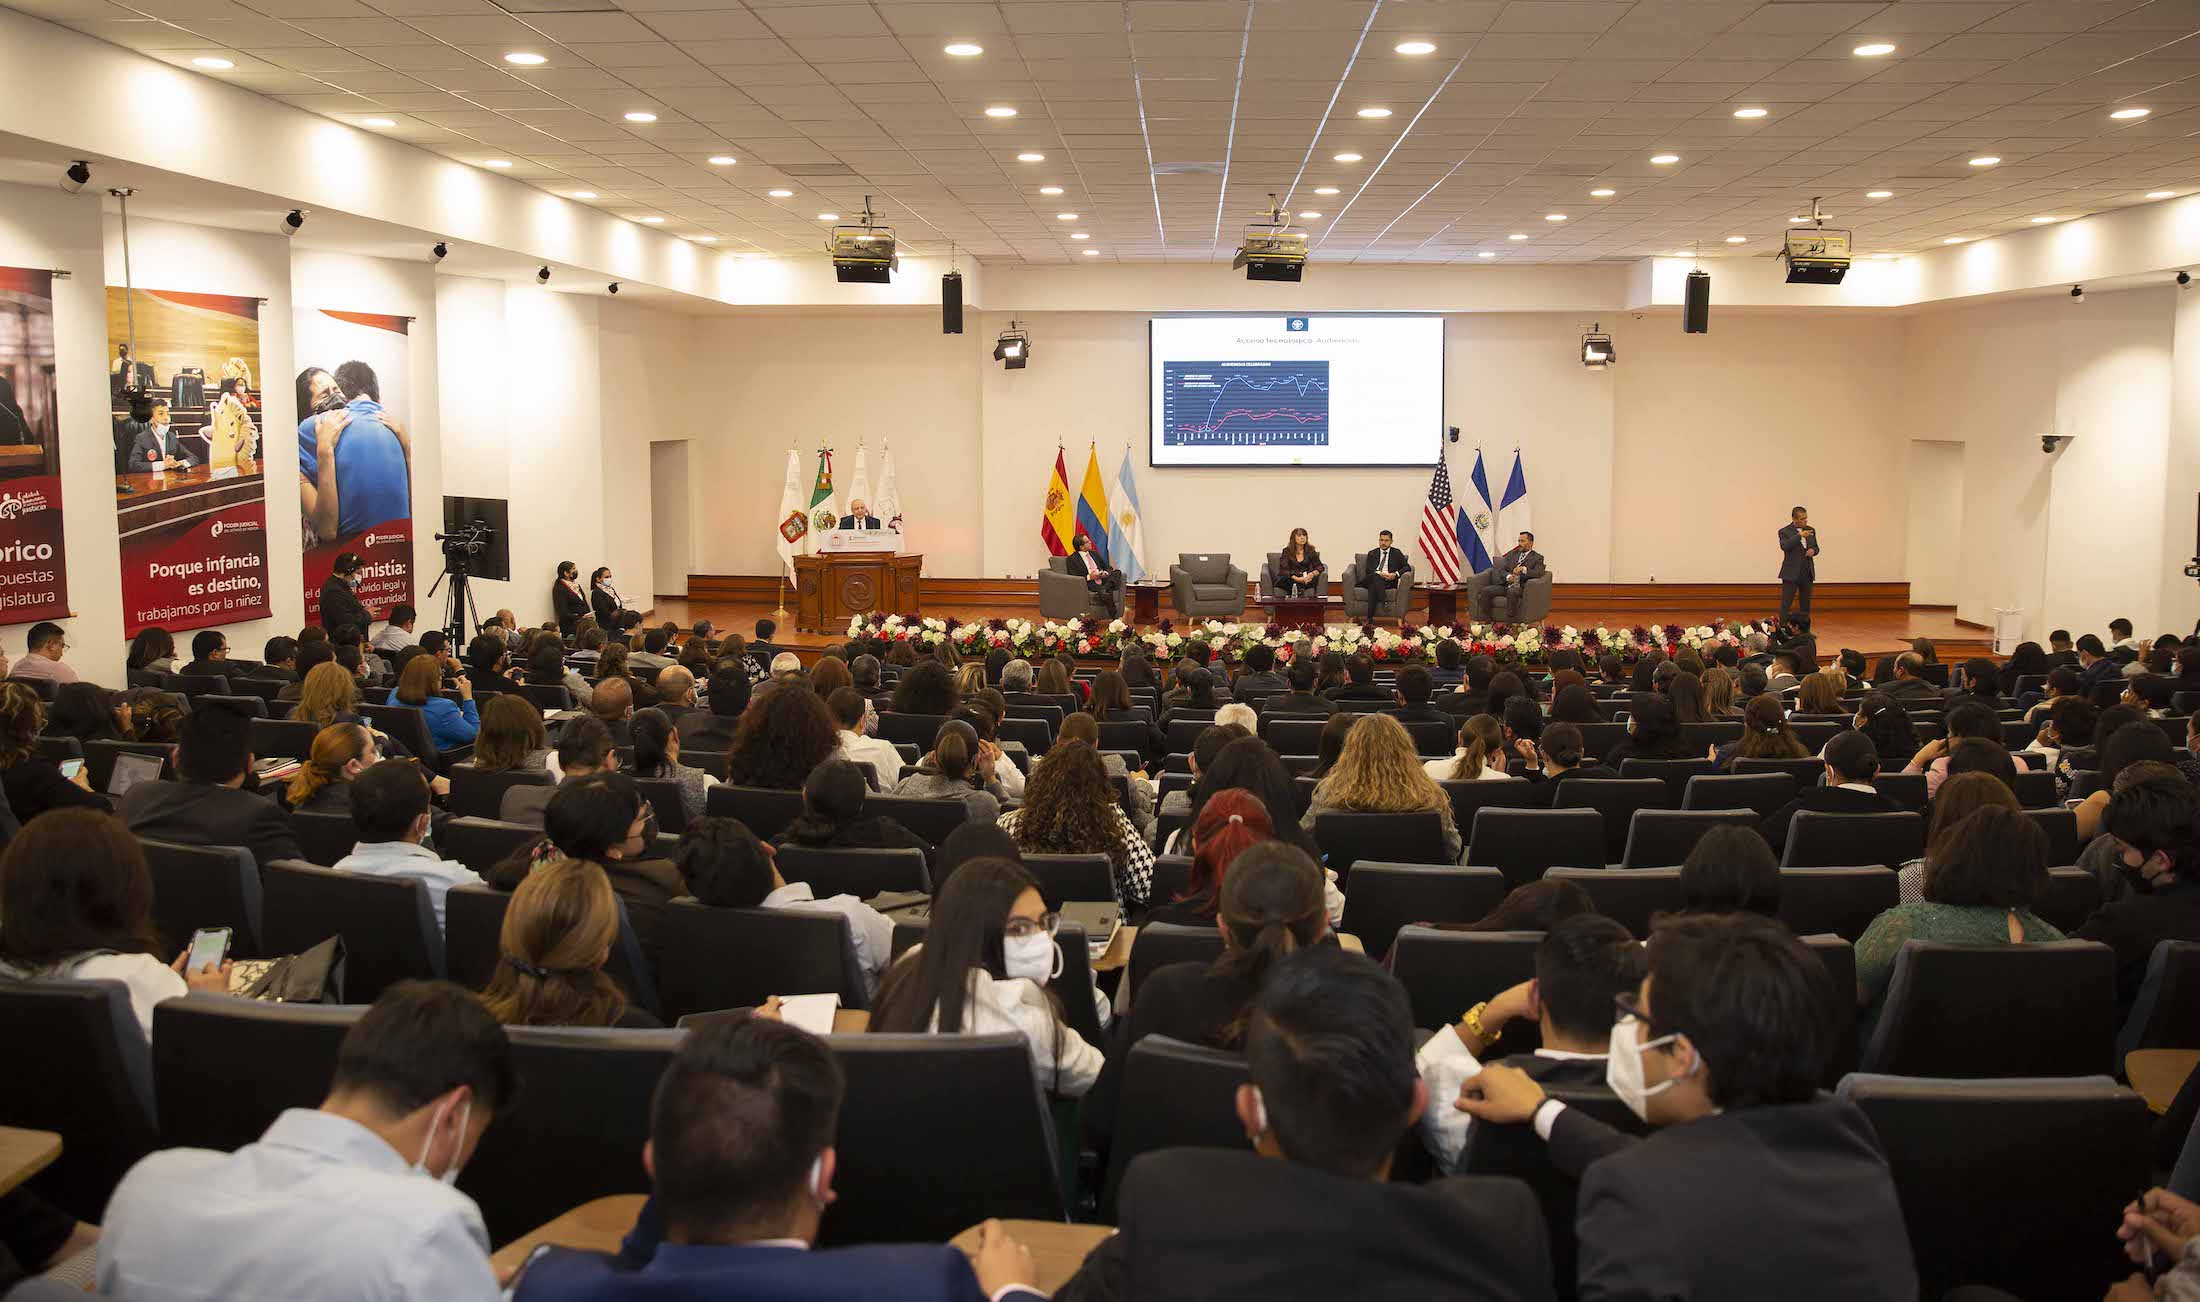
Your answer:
<point x="1018" y="928"/>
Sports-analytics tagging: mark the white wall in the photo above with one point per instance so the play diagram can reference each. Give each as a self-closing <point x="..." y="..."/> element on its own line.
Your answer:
<point x="1935" y="541"/>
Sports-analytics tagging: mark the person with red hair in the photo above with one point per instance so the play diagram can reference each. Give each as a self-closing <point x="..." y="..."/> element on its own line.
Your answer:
<point x="1228" y="823"/>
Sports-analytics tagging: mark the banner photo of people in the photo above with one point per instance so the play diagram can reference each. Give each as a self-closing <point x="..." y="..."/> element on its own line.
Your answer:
<point x="34" y="582"/>
<point x="355" y="453"/>
<point x="190" y="496"/>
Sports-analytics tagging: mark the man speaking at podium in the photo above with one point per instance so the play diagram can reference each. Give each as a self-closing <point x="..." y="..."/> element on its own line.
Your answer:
<point x="860" y="517"/>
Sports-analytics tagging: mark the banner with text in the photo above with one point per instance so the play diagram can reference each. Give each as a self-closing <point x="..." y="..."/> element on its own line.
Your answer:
<point x="34" y="581"/>
<point x="190" y="495"/>
<point x="355" y="453"/>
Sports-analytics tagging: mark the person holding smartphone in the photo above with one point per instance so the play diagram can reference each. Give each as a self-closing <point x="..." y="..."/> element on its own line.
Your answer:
<point x="32" y="782"/>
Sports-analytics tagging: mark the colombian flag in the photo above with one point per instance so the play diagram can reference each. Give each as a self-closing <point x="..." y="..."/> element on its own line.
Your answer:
<point x="1058" y="521"/>
<point x="1092" y="505"/>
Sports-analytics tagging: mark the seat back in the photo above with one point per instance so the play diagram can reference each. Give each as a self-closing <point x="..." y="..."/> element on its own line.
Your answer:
<point x="1172" y="876"/>
<point x="81" y="1070"/>
<point x="934" y="820"/>
<point x="1628" y="896"/>
<point x="710" y="959"/>
<point x="99" y="759"/>
<point x="1832" y="840"/>
<point x="1432" y="739"/>
<point x="1663" y="838"/>
<point x="1517" y="1152"/>
<point x="280" y="1056"/>
<point x="325" y="837"/>
<point x="663" y="795"/>
<point x="1347" y="838"/>
<point x="1761" y="793"/>
<point x="2166" y="1014"/>
<point x="1616" y="799"/>
<point x="1388" y="896"/>
<point x="1035" y="734"/>
<point x="1975" y="1011"/>
<point x="1836" y="901"/>
<point x="1447" y="972"/>
<point x="2061" y="826"/>
<point x="1175" y="1095"/>
<point x="1806" y="772"/>
<point x="861" y="873"/>
<point x="251" y="706"/>
<point x="1469" y="797"/>
<point x="1160" y="944"/>
<point x="2035" y="788"/>
<point x="547" y="696"/>
<point x="1292" y="736"/>
<point x="387" y="924"/>
<point x="479" y="793"/>
<point x="1522" y="843"/>
<point x="1839" y="956"/>
<point x="1674" y="773"/>
<point x="284" y="738"/>
<point x="2072" y="896"/>
<point x="918" y="730"/>
<point x="480" y="842"/>
<point x="765" y="811"/>
<point x="198" y="886"/>
<point x="200" y="686"/>
<point x="1598" y="739"/>
<point x="1982" y="1208"/>
<point x="56" y="749"/>
<point x="1086" y="878"/>
<point x="473" y="932"/>
<point x="407" y="724"/>
<point x="960" y="1117"/>
<point x="1904" y="789"/>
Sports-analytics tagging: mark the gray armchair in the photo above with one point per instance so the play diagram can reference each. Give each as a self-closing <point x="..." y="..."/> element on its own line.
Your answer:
<point x="1535" y="600"/>
<point x="1394" y="602"/>
<point x="1273" y="566"/>
<point x="1063" y="595"/>
<point x="1205" y="585"/>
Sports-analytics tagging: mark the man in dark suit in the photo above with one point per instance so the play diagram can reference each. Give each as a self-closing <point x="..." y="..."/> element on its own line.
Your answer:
<point x="209" y="805"/>
<point x="713" y="729"/>
<point x="2156" y="820"/>
<point x="1258" y="676"/>
<point x="1798" y="567"/>
<point x="1467" y="699"/>
<point x="2095" y="665"/>
<point x="1450" y="668"/>
<point x="278" y="660"/>
<point x="741" y="1157"/>
<point x="2059" y="652"/>
<point x="1851" y="764"/>
<point x="209" y="655"/>
<point x="1789" y="1195"/>
<point x="1908" y="684"/>
<point x="1103" y="581"/>
<point x="1379" y="570"/>
<point x="1359" y="673"/>
<point x="1508" y="575"/>
<point x="859" y="516"/>
<point x="1302" y="698"/>
<point x="340" y="604"/>
<point x="1414" y="687"/>
<point x="1310" y="1211"/>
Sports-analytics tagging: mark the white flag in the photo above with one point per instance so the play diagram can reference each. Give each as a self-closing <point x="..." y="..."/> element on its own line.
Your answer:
<point x="794" y="516"/>
<point x="1127" y="530"/>
<point x="859" y="484"/>
<point x="887" y="506"/>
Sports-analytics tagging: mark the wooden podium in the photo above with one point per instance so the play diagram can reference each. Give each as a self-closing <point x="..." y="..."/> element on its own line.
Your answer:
<point x="830" y="588"/>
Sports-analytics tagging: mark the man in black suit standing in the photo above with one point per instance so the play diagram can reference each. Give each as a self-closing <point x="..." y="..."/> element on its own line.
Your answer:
<point x="1851" y="764"/>
<point x="1310" y="1211"/>
<point x="1798" y="567"/>
<point x="1379" y="570"/>
<point x="1789" y="1195"/>
<point x="858" y="517"/>
<point x="1508" y="575"/>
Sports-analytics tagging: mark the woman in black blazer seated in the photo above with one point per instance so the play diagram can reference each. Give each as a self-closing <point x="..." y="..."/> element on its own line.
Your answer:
<point x="1298" y="567"/>
<point x="607" y="605"/>
<point x="567" y="601"/>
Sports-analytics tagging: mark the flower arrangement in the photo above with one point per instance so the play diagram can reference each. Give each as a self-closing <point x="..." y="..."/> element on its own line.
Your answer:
<point x="1406" y="644"/>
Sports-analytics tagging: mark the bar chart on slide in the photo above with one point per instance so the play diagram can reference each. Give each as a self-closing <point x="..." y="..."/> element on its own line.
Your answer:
<point x="1279" y="403"/>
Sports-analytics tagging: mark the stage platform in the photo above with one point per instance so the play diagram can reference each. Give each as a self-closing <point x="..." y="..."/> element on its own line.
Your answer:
<point x="1874" y="618"/>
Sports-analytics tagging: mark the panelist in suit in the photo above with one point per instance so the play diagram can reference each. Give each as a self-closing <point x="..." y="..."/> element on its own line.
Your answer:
<point x="1508" y="576"/>
<point x="1798" y="566"/>
<point x="1299" y="567"/>
<point x="859" y="517"/>
<point x="1102" y="580"/>
<point x="741" y="1159"/>
<point x="1310" y="1211"/>
<point x="1721" y="1052"/>
<point x="1379" y="571"/>
<point x="158" y="447"/>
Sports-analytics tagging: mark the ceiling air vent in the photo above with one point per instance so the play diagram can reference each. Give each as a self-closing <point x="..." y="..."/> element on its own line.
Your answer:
<point x="556" y="7"/>
<point x="816" y="171"/>
<point x="1187" y="169"/>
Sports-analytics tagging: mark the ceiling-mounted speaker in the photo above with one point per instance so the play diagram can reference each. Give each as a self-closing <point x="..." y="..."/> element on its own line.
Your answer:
<point x="1696" y="304"/>
<point x="951" y="303"/>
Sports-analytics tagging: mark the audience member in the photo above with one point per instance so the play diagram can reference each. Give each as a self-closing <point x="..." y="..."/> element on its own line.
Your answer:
<point x="153" y="650"/>
<point x="322" y="784"/>
<point x="1329" y="744"/>
<point x="1481" y="755"/>
<point x="1820" y="695"/>
<point x="657" y="757"/>
<point x="557" y="935"/>
<point x="1111" y="703"/>
<point x="714" y="728"/>
<point x="603" y="819"/>
<point x="783" y="735"/>
<point x="278" y="660"/>
<point x="1257" y="674"/>
<point x="2137" y="743"/>
<point x="44" y="646"/>
<point x="209" y="805"/>
<point x="832" y="815"/>
<point x="1885" y="721"/>
<point x="512" y="738"/>
<point x="1966" y="719"/>
<point x="584" y="748"/>
<point x="2156" y="822"/>
<point x="858" y="722"/>
<point x="1765" y="735"/>
<point x="389" y="807"/>
<point x="33" y="783"/>
<point x="1851" y="764"/>
<point x="1559" y="756"/>
<point x="1069" y="808"/>
<point x="1380" y="773"/>
<point x="450" y="723"/>
<point x="89" y="712"/>
<point x="1908" y="685"/>
<point x="1230" y="823"/>
<point x="729" y="868"/>
<point x="926" y="688"/>
<point x="1084" y="728"/>
<point x="1302" y="699"/>
<point x="1730" y="869"/>
<point x="487" y="659"/>
<point x="1962" y="795"/>
<point x="973" y="840"/>
<point x="546" y="667"/>
<point x="958" y="767"/>
<point x="397" y="633"/>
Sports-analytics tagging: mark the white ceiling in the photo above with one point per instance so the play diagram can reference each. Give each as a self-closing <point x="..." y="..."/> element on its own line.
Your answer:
<point x="1523" y="108"/>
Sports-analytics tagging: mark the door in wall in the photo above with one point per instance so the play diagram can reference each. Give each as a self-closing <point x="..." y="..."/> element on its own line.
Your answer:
<point x="1936" y="520"/>
<point x="671" y="517"/>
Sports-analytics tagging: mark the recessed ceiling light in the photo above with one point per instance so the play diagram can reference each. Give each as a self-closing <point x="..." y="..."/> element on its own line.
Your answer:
<point x="1486" y="253"/>
<point x="1345" y="158"/>
<point x="780" y="194"/>
<point x="1879" y="194"/>
<point x="1986" y="160"/>
<point x="1886" y="257"/>
<point x="1797" y="221"/>
<point x="1416" y="47"/>
<point x="1516" y="237"/>
<point x="653" y="221"/>
<point x="525" y="59"/>
<point x="584" y="194"/>
<point x="1050" y="189"/>
<point x="1327" y="189"/>
<point x="1079" y="235"/>
<point x="965" y="49"/>
<point x="1065" y="216"/>
<point x="1092" y="253"/>
<point x="1955" y="239"/>
<point x="828" y="216"/>
<point x="1662" y="159"/>
<point x="2161" y="194"/>
<point x="1736" y="239"/>
<point x="2126" y="114"/>
<point x="1602" y="194"/>
<point x="1000" y="111"/>
<point x="2042" y="221"/>
<point x="216" y="65"/>
<point x="1680" y="253"/>
<point x="1554" y="216"/>
<point x="641" y="117"/>
<point x="706" y="239"/>
<point x="1031" y="158"/>
<point x="722" y="160"/>
<point x="498" y="163"/>
<point x="1873" y="50"/>
<point x="377" y="122"/>
<point x="1749" y="112"/>
<point x="1375" y="112"/>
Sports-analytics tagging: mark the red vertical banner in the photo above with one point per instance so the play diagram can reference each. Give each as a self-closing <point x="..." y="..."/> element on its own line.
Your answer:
<point x="190" y="493"/>
<point x="34" y="580"/>
<point x="355" y="453"/>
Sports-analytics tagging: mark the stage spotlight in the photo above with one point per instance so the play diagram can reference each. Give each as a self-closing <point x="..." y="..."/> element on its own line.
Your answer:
<point x="1013" y="349"/>
<point x="2077" y="293"/>
<point x="1596" y="348"/>
<point x="441" y="250"/>
<point x="293" y="221"/>
<point x="542" y="275"/>
<point x="77" y="177"/>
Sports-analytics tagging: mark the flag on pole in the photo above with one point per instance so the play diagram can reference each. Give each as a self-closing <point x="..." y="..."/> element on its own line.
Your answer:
<point x="1058" y="519"/>
<point x="794" y="521"/>
<point x="1127" y="530"/>
<point x="1512" y="510"/>
<point x="888" y="506"/>
<point x="1474" y="520"/>
<point x="1092" y="505"/>
<point x="822" y="513"/>
<point x="859" y="483"/>
<point x="1440" y="527"/>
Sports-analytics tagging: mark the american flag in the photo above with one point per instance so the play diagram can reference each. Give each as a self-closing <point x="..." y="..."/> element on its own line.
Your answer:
<point x="1439" y="527"/>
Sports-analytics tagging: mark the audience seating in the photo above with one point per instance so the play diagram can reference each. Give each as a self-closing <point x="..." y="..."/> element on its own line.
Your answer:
<point x="1035" y="735"/>
<point x="1432" y="740"/>
<point x="2061" y="826"/>
<point x="408" y="725"/>
<point x="2016" y="734"/>
<point x="1469" y="798"/>
<point x="1817" y="840"/>
<point x="2035" y="789"/>
<point x="2017" y="1184"/>
<point x="1085" y="878"/>
<point x="283" y="738"/>
<point x="1761" y="793"/>
<point x="1836" y="901"/>
<point x="325" y="838"/>
<point x="1522" y="843"/>
<point x="547" y="696"/>
<point x="200" y="686"/>
<point x="1292" y="735"/>
<point x="1175" y="1095"/>
<point x="198" y="886"/>
<point x="959" y="1118"/>
<point x="1674" y="773"/>
<point x="663" y="795"/>
<point x="1346" y="838"/>
<point x="224" y="1069"/>
<point x="1839" y="956"/>
<point x="250" y="705"/>
<point x="1160" y="944"/>
<point x="2166" y="1014"/>
<point x="717" y="763"/>
<point x="1617" y="799"/>
<point x="1447" y="972"/>
<point x="46" y="688"/>
<point x="765" y="810"/>
<point x="2072" y="896"/>
<point x="81" y="1069"/>
<point x="934" y="820"/>
<point x="1598" y="739"/>
<point x="1517" y="1151"/>
<point x="1185" y="733"/>
<point x="1388" y="896"/>
<point x="1904" y="789"/>
<point x="473" y="931"/>
<point x="56" y="749"/>
<point x="1172" y="876"/>
<point x="1982" y="1010"/>
<point x="2084" y="782"/>
<point x="387" y="924"/>
<point x="1628" y="896"/>
<point x="710" y="959"/>
<point x="1663" y="838"/>
<point x="861" y="873"/>
<point x="917" y="730"/>
<point x="479" y="793"/>
<point x="99" y="759"/>
<point x="480" y="843"/>
<point x="1806" y="772"/>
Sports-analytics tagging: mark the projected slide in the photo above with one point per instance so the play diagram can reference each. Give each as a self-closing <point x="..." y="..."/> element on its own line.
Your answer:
<point x="1296" y="390"/>
<point x="1259" y="404"/>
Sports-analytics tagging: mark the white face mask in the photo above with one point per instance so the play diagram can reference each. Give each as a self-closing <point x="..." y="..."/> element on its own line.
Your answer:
<point x="1034" y="957"/>
<point x="450" y="1173"/>
<point x="1260" y="1111"/>
<point x="1623" y="1068"/>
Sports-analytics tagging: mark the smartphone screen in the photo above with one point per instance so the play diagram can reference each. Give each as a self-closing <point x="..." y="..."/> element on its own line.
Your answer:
<point x="71" y="767"/>
<point x="208" y="945"/>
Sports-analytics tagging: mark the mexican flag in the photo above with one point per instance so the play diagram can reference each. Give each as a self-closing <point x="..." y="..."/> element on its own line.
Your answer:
<point x="824" y="512"/>
<point x="794" y="522"/>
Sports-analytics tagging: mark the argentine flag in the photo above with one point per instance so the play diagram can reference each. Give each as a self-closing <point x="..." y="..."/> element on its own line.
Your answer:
<point x="1512" y="509"/>
<point x="1474" y="520"/>
<point x="1127" y="525"/>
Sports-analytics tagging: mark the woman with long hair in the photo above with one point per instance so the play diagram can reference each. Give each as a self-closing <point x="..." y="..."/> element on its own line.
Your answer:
<point x="613" y="663"/>
<point x="1379" y="773"/>
<point x="1574" y="703"/>
<point x="1958" y="798"/>
<point x="1652" y="733"/>
<point x="1228" y="825"/>
<point x="657" y="757"/>
<point x="1819" y="696"/>
<point x="153" y="649"/>
<point x="568" y="602"/>
<point x="832" y="815"/>
<point x="1069" y="808"/>
<point x="546" y="667"/>
<point x="329" y="694"/>
<point x="89" y="712"/>
<point x="1685" y="691"/>
<point x="1110" y="702"/>
<point x="1299" y="566"/>
<point x="511" y="739"/>
<point x="557" y="936"/>
<point x="782" y="736"/>
<point x="830" y="674"/>
<point x="1718" y="692"/>
<point x="1329" y="743"/>
<point x="450" y="723"/>
<point x="925" y="688"/>
<point x="1246" y="763"/>
<point x="970" y="679"/>
<point x="1481" y="755"/>
<point x="983" y="968"/>
<point x="1731" y="870"/>
<point x="1079" y="726"/>
<point x="1136" y="669"/>
<point x="1329" y="673"/>
<point x="1194" y="689"/>
<point x="1054" y="680"/>
<point x="322" y="785"/>
<point x="1887" y="722"/>
<point x="1765" y="735"/>
<point x="1535" y="906"/>
<point x="960" y="766"/>
<point x="32" y="782"/>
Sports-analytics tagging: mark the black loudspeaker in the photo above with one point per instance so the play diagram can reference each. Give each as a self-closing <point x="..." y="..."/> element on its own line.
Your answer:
<point x="1696" y="304"/>
<point x="951" y="303"/>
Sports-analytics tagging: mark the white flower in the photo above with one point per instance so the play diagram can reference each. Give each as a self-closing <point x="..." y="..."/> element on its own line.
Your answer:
<point x="1116" y="626"/>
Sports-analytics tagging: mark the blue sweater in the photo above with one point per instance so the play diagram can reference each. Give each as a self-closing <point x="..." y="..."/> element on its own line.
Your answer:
<point x="450" y="723"/>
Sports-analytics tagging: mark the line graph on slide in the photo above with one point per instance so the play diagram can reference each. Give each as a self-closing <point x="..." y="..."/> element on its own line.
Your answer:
<point x="1248" y="403"/>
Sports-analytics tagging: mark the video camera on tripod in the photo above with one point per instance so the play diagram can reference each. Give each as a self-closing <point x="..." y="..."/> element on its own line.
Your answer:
<point x="461" y="546"/>
<point x="463" y="543"/>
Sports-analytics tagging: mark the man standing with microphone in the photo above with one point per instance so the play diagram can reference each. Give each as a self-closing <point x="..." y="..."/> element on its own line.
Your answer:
<point x="1798" y="567"/>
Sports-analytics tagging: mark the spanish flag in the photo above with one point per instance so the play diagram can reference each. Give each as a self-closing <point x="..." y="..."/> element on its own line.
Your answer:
<point x="1092" y="505"/>
<point x="1058" y="522"/>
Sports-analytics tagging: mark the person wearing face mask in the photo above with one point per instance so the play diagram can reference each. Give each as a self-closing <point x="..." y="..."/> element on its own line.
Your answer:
<point x="567" y="602"/>
<point x="348" y="1202"/>
<point x="603" y="819"/>
<point x="2156" y="824"/>
<point x="605" y="603"/>
<point x="158" y="447"/>
<point x="1751" y="1184"/>
<point x="984" y="968"/>
<point x="389" y="808"/>
<point x="340" y="604"/>
<point x="341" y="752"/>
